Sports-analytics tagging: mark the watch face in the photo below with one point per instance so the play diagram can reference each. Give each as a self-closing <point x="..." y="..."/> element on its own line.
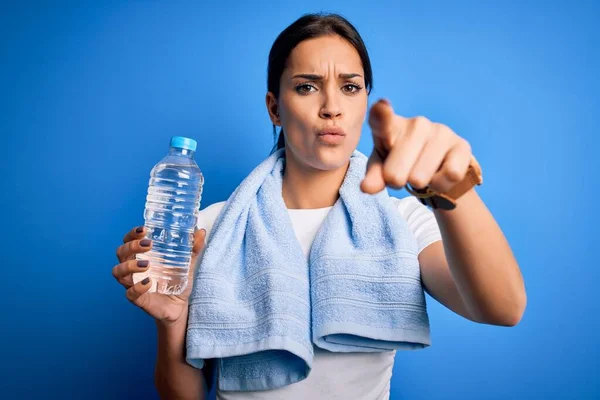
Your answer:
<point x="441" y="203"/>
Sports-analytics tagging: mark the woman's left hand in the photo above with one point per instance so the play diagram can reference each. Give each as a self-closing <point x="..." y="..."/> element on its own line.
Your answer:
<point x="416" y="151"/>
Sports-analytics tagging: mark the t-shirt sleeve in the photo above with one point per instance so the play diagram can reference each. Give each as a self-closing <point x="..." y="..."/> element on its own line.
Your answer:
<point x="206" y="220"/>
<point x="208" y="216"/>
<point x="420" y="219"/>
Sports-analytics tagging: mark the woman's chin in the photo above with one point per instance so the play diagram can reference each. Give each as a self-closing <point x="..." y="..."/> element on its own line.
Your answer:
<point x="331" y="157"/>
<point x="324" y="158"/>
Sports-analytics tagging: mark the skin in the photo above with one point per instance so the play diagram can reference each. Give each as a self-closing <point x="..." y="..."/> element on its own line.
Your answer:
<point x="315" y="171"/>
<point x="472" y="271"/>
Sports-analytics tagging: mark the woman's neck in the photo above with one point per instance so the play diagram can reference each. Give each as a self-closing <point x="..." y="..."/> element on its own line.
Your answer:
<point x="305" y="187"/>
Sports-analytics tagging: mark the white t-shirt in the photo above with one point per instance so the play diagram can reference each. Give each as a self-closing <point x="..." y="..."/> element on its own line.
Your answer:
<point x="347" y="376"/>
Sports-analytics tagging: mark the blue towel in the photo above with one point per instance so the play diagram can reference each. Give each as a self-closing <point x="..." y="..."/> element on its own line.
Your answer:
<point x="259" y="306"/>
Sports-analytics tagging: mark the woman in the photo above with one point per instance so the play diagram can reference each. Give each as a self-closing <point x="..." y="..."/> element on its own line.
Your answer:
<point x="319" y="77"/>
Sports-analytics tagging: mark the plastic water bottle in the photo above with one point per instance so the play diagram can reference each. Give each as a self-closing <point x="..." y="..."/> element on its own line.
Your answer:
<point x="171" y="214"/>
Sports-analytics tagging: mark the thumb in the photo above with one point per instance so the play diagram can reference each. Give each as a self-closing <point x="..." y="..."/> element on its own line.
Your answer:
<point x="199" y="241"/>
<point x="373" y="181"/>
<point x="199" y="244"/>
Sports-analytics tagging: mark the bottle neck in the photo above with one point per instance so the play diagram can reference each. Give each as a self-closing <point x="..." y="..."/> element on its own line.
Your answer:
<point x="177" y="151"/>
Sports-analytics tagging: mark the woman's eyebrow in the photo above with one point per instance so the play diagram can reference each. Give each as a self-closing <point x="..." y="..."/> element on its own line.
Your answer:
<point x="314" y="77"/>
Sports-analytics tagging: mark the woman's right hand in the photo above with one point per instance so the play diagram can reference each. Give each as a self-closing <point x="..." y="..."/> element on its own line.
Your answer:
<point x="167" y="309"/>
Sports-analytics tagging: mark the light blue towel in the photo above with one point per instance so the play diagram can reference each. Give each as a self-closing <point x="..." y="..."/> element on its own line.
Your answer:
<point x="258" y="306"/>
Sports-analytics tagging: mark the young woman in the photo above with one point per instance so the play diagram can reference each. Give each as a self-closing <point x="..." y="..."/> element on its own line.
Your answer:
<point x="319" y="78"/>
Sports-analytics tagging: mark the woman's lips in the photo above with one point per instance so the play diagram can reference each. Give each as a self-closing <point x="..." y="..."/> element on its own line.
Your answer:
<point x="331" y="135"/>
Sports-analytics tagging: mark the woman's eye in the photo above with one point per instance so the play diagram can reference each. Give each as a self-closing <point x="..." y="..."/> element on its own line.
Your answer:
<point x="305" y="88"/>
<point x="351" y="88"/>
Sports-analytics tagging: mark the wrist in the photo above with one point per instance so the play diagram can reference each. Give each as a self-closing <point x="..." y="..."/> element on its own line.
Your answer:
<point x="177" y="324"/>
<point x="465" y="202"/>
<point x="172" y="338"/>
<point x="450" y="199"/>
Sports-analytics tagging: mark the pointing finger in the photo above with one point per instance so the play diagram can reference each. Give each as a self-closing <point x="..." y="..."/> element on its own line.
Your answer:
<point x="384" y="125"/>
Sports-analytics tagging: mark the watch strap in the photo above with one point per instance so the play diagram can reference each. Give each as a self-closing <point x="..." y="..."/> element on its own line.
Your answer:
<point x="447" y="200"/>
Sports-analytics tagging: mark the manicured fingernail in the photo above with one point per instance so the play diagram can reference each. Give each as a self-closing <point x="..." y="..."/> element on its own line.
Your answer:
<point x="145" y="243"/>
<point x="145" y="281"/>
<point x="142" y="263"/>
<point x="140" y="229"/>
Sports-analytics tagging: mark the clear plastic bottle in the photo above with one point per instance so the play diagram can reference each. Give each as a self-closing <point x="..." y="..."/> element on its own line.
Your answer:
<point x="171" y="214"/>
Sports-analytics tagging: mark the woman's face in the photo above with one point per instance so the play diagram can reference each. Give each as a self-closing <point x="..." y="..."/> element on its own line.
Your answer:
<point x="322" y="102"/>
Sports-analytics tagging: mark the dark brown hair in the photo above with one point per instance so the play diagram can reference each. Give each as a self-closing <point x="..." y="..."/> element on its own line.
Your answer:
<point x="310" y="26"/>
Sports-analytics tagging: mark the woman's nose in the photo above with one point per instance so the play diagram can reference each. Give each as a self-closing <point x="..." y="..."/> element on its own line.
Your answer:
<point x="331" y="108"/>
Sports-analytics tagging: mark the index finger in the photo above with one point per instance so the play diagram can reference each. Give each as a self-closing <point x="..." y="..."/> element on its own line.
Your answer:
<point x="385" y="124"/>
<point x="381" y="115"/>
<point x="136" y="233"/>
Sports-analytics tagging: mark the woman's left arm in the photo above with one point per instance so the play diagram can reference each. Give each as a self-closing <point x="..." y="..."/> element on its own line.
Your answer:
<point x="472" y="271"/>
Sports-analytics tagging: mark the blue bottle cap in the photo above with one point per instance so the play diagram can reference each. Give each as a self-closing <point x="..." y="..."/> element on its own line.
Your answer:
<point x="183" y="143"/>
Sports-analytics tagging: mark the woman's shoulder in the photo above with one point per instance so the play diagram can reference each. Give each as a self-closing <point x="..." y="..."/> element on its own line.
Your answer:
<point x="406" y="206"/>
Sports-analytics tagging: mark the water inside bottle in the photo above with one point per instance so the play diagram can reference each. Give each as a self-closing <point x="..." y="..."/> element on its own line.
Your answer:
<point x="171" y="211"/>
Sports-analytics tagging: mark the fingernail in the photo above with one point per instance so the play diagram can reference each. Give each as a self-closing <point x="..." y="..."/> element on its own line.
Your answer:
<point x="145" y="281"/>
<point x="140" y="229"/>
<point x="142" y="263"/>
<point x="386" y="101"/>
<point x="145" y="243"/>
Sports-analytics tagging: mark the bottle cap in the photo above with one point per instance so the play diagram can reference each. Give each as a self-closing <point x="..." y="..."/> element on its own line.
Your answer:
<point x="183" y="143"/>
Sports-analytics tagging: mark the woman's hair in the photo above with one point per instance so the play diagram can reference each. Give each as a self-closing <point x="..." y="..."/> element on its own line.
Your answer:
<point x="310" y="26"/>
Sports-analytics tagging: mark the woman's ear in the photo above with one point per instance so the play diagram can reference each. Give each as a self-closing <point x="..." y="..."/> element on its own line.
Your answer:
<point x="273" y="109"/>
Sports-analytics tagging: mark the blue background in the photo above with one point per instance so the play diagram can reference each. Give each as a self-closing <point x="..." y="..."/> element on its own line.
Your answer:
<point x="92" y="92"/>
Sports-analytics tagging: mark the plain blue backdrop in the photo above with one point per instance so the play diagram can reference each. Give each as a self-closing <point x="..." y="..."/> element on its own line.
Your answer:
<point x="92" y="92"/>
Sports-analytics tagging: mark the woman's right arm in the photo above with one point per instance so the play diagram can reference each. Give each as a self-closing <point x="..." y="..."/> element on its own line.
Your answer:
<point x="174" y="377"/>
